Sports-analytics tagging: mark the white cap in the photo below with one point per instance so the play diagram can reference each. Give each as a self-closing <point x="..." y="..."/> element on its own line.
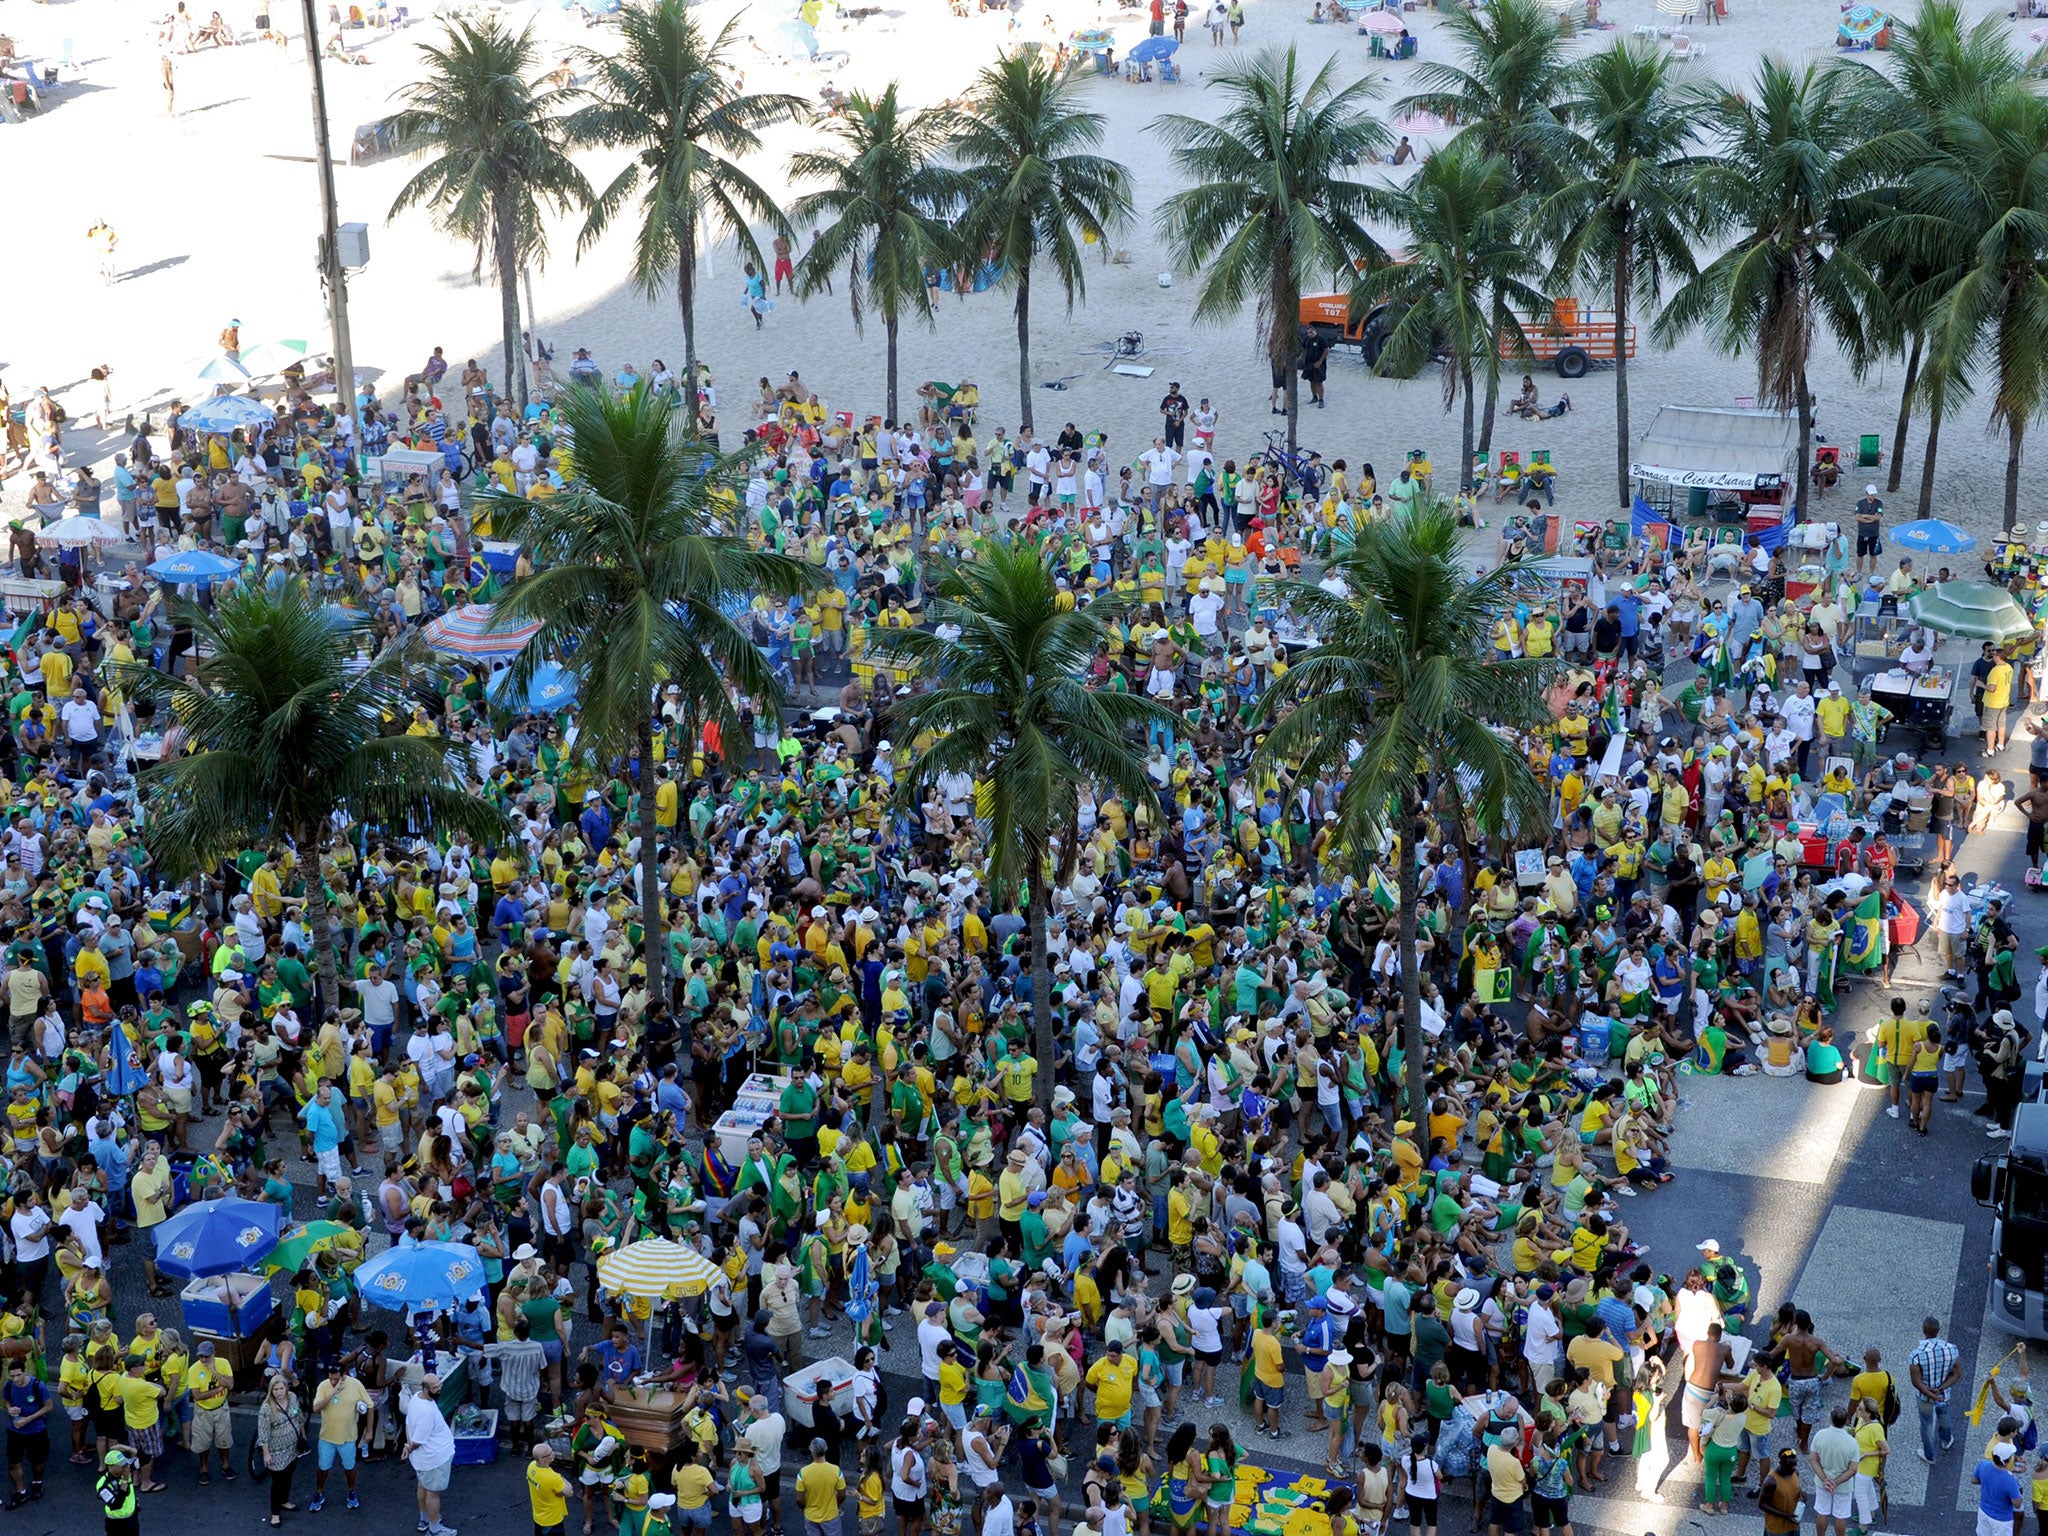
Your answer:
<point x="1870" y="490"/>
<point x="1710" y="1245"/>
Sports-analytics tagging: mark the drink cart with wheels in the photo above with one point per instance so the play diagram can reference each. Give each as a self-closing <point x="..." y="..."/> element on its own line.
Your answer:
<point x="1922" y="704"/>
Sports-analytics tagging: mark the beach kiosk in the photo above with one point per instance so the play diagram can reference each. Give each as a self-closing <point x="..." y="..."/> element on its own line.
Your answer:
<point x="1701" y="462"/>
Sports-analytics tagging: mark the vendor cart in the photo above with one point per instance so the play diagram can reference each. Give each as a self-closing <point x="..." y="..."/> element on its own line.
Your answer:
<point x="1921" y="704"/>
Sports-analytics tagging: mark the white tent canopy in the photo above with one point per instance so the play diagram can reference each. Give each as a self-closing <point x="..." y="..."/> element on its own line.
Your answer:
<point x="1718" y="449"/>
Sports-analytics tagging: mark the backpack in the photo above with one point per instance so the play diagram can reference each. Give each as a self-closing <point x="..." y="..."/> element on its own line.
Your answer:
<point x="1888" y="1409"/>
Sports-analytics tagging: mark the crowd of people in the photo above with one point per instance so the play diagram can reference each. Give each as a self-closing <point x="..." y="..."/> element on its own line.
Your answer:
<point x="1227" y="1189"/>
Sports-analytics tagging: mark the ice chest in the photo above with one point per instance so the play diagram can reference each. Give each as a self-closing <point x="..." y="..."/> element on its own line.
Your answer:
<point x="830" y="1378"/>
<point x="735" y="1128"/>
<point x="478" y="1445"/>
<point x="207" y="1310"/>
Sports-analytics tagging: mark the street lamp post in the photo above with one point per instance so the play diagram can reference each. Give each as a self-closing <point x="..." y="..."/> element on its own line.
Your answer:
<point x="332" y="272"/>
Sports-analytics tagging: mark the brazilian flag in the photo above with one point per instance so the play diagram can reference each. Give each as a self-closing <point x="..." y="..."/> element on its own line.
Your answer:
<point x="1864" y="933"/>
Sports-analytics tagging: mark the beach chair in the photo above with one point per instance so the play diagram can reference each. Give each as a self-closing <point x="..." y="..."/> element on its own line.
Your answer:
<point x="1827" y="469"/>
<point x="1482" y="474"/>
<point x="1869" y="450"/>
<point x="1507" y="477"/>
<point x="1745" y="402"/>
<point x="1682" y="49"/>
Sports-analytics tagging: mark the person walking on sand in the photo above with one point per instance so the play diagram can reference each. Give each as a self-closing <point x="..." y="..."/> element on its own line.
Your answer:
<point x="757" y="295"/>
<point x="103" y="240"/>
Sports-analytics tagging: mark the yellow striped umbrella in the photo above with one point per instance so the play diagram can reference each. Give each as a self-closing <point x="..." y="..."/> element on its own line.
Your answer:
<point x="655" y="1268"/>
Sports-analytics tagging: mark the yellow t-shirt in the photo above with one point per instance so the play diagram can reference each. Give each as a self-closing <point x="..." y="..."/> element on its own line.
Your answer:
<point x="139" y="1399"/>
<point x="1113" y="1381"/>
<point x="1268" y="1361"/>
<point x="821" y="1486"/>
<point x="549" y="1492"/>
<point x="952" y="1383"/>
<point x="693" y="1486"/>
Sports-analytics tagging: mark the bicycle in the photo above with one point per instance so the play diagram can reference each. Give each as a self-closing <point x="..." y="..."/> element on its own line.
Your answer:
<point x="1303" y="466"/>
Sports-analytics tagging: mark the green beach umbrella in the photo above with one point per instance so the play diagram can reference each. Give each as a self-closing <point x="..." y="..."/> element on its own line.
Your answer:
<point x="296" y="1248"/>
<point x="1976" y="610"/>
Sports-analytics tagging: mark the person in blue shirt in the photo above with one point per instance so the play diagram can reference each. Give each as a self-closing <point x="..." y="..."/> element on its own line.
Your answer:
<point x="29" y="1406"/>
<point x="2000" y="1500"/>
<point x="616" y="1358"/>
<point x="595" y="821"/>
<point x="507" y="914"/>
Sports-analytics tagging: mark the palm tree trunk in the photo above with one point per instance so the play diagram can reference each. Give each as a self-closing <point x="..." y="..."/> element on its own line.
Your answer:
<point x="320" y="921"/>
<point x="1624" y="256"/>
<point x="2015" y="437"/>
<point x="1041" y="984"/>
<point x="1905" y="416"/>
<point x="1804" y="406"/>
<point x="894" y="326"/>
<point x="686" y="301"/>
<point x="507" y="243"/>
<point x="1493" y="336"/>
<point x="1024" y="346"/>
<point x="1411" y="973"/>
<point x="1927" y="455"/>
<point x="653" y="927"/>
<point x="1465" y="438"/>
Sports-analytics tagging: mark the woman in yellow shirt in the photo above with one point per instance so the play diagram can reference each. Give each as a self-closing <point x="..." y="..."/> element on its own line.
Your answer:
<point x="1924" y="1072"/>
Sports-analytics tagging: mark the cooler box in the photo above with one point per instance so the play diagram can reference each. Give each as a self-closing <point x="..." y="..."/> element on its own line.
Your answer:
<point x="1595" y="1040"/>
<point x="207" y="1310"/>
<point x="830" y="1378"/>
<point x="735" y="1128"/>
<point x="765" y="1085"/>
<point x="1813" y="846"/>
<point x="476" y="1439"/>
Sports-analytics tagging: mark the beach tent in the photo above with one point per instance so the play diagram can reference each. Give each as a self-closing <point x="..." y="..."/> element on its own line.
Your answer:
<point x="1718" y="449"/>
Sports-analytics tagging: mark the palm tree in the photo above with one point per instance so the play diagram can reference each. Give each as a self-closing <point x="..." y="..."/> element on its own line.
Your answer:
<point x="635" y="564"/>
<point x="1515" y="60"/>
<point x="1940" y="65"/>
<point x="284" y="730"/>
<point x="669" y="94"/>
<point x="499" y="144"/>
<point x="1787" y="177"/>
<point x="1465" y="266"/>
<point x="883" y="198"/>
<point x="1990" y="193"/>
<point x="1025" y="148"/>
<point x="1623" y="207"/>
<point x="1406" y="674"/>
<point x="1270" y="209"/>
<point x="1007" y="701"/>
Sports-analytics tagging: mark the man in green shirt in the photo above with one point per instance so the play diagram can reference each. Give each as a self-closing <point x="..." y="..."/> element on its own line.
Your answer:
<point x="799" y="1110"/>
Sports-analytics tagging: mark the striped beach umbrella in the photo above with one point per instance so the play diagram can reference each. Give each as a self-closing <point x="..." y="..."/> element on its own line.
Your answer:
<point x="655" y="1268"/>
<point x="472" y="632"/>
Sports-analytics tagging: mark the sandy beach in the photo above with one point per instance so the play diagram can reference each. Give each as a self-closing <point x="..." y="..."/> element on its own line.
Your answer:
<point x="244" y="249"/>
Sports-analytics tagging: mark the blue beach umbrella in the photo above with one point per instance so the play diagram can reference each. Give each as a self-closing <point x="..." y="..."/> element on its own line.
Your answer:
<point x="421" y="1275"/>
<point x="1148" y="49"/>
<point x="1933" y="536"/>
<point x="198" y="566"/>
<point x="226" y="413"/>
<point x="552" y="688"/>
<point x="217" y="1237"/>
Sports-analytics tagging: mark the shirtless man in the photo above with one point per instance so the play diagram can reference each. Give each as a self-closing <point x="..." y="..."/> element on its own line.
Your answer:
<point x="1800" y="1350"/>
<point x="784" y="268"/>
<point x="1709" y="1362"/>
<point x="2033" y="802"/>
